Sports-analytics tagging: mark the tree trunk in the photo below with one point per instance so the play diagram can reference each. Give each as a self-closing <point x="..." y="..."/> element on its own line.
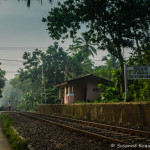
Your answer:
<point x="121" y="76"/>
<point x="121" y="62"/>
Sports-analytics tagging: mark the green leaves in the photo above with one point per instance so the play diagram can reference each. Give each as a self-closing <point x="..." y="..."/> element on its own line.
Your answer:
<point x="2" y="80"/>
<point x="114" y="25"/>
<point x="83" y="45"/>
<point x="15" y="140"/>
<point x="57" y="66"/>
<point x="109" y="93"/>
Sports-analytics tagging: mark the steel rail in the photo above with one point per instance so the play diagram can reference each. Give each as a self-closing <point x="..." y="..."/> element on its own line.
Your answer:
<point x="97" y="136"/>
<point x="108" y="127"/>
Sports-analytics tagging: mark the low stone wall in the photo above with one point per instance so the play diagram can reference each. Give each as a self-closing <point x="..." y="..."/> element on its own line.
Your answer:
<point x="133" y="113"/>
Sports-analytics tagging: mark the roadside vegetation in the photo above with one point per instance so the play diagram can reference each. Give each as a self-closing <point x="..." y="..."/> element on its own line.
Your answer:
<point x="16" y="142"/>
<point x="2" y="80"/>
<point x="113" y="26"/>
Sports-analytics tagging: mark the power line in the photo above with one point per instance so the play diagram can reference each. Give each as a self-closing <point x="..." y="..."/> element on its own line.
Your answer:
<point x="12" y="60"/>
<point x="16" y="48"/>
<point x="97" y="60"/>
<point x="13" y="65"/>
<point x="21" y="47"/>
<point x="23" y="61"/>
<point x="11" y="71"/>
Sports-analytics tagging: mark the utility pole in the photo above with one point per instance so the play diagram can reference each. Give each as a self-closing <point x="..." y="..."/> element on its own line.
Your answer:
<point x="126" y="82"/>
<point x="43" y="93"/>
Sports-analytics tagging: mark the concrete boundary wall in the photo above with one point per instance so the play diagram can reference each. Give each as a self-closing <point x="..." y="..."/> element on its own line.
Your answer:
<point x="132" y="113"/>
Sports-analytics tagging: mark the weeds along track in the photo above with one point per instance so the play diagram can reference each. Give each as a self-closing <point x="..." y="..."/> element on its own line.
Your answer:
<point x="113" y="134"/>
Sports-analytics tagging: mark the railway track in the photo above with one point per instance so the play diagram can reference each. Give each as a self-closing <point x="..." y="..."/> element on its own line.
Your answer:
<point x="117" y="136"/>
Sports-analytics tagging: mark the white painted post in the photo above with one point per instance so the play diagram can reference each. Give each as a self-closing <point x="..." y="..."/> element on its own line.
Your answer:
<point x="126" y="82"/>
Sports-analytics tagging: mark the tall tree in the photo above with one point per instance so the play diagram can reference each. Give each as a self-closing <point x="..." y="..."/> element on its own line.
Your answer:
<point x="115" y="25"/>
<point x="84" y="45"/>
<point x="107" y="70"/>
<point x="57" y="67"/>
<point x="31" y="75"/>
<point x="78" y="65"/>
<point x="54" y="61"/>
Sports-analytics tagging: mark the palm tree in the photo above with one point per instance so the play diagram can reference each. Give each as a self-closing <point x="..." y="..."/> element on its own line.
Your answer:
<point x="84" y="45"/>
<point x="111" y="61"/>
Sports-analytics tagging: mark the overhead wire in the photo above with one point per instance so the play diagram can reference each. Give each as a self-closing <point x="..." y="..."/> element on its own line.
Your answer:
<point x="12" y="60"/>
<point x="28" y="48"/>
<point x="11" y="71"/>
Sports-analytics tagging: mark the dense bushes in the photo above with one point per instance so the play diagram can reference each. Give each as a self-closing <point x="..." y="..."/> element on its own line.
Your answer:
<point x="14" y="139"/>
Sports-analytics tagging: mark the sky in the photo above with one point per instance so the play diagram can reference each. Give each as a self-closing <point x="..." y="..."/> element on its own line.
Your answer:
<point x="21" y="29"/>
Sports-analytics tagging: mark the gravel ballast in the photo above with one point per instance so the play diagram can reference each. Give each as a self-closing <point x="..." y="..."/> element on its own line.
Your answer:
<point x="45" y="136"/>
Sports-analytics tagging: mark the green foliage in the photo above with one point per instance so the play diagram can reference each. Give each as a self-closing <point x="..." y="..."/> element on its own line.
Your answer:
<point x="15" y="141"/>
<point x="142" y="57"/>
<point x="114" y="25"/>
<point x="84" y="45"/>
<point x="58" y="66"/>
<point x="52" y="94"/>
<point x="107" y="101"/>
<point x="25" y="100"/>
<point x="78" y="66"/>
<point x="139" y="90"/>
<point x="10" y="94"/>
<point x="109" y="93"/>
<point x="145" y="91"/>
<point x="81" y="102"/>
<point x="97" y="100"/>
<point x="2" y="80"/>
<point x="109" y="69"/>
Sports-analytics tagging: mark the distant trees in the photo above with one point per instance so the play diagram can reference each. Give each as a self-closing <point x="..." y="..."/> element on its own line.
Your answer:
<point x="11" y="94"/>
<point x="58" y="66"/>
<point x="108" y="69"/>
<point x="114" y="26"/>
<point x="2" y="80"/>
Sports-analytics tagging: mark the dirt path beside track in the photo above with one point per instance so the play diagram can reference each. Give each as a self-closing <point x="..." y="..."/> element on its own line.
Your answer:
<point x="4" y="145"/>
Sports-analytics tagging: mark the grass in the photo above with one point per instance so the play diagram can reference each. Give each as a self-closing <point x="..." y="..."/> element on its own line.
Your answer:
<point x="16" y="142"/>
